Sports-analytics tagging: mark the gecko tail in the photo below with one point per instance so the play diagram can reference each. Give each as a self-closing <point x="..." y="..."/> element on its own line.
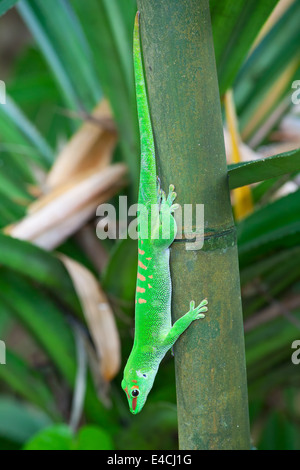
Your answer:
<point x="148" y="163"/>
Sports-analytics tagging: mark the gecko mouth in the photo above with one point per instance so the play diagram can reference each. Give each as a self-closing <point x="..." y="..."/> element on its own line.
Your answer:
<point x="134" y="403"/>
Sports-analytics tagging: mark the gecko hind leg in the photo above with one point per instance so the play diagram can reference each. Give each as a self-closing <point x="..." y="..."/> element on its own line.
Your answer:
<point x="195" y="313"/>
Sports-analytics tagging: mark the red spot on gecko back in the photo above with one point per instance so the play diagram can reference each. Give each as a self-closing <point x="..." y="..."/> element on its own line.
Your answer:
<point x="142" y="301"/>
<point x="141" y="265"/>
<point x="141" y="252"/>
<point x="140" y="289"/>
<point x="141" y="277"/>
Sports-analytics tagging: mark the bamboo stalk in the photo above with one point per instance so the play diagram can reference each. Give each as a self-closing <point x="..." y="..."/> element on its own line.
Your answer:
<point x="185" y="110"/>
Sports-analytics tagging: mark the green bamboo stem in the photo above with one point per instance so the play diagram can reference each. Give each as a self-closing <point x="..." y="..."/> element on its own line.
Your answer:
<point x="185" y="110"/>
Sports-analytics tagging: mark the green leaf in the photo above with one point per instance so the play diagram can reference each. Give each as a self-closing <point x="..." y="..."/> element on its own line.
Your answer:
<point x="16" y="129"/>
<point x="234" y="33"/>
<point x="13" y="191"/>
<point x="51" y="330"/>
<point x="58" y="437"/>
<point x="5" y="321"/>
<point x="19" y="422"/>
<point x="119" y="278"/>
<point x="36" y="92"/>
<point x="27" y="383"/>
<point x="115" y="17"/>
<point x="45" y="268"/>
<point x="275" y="280"/>
<point x="279" y="433"/>
<point x="265" y="67"/>
<point x="61" y="437"/>
<point x="6" y="5"/>
<point x="10" y="212"/>
<point x="276" y="226"/>
<point x="155" y="428"/>
<point x="42" y="318"/>
<point x="266" y="340"/>
<point x="93" y="438"/>
<point x="245" y="173"/>
<point x="269" y="263"/>
<point x="263" y="192"/>
<point x="113" y="58"/>
<point x="59" y="35"/>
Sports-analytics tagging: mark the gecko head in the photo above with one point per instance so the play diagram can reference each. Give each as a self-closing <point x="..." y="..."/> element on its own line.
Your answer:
<point x="137" y="385"/>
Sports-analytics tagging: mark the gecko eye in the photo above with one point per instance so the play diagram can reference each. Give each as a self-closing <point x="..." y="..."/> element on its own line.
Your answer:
<point x="135" y="393"/>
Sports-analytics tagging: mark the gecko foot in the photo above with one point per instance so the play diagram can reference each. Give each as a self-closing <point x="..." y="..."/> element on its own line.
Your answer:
<point x="171" y="198"/>
<point x="172" y="195"/>
<point x="166" y="203"/>
<point x="197" y="312"/>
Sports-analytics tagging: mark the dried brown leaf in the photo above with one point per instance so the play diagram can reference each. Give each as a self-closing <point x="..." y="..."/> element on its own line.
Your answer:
<point x="66" y="209"/>
<point x="90" y="147"/>
<point x="99" y="317"/>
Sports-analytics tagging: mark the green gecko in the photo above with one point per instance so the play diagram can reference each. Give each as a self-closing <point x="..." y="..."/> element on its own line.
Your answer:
<point x="154" y="333"/>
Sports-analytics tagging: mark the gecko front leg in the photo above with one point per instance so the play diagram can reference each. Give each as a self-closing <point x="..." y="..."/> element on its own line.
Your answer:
<point x="195" y="313"/>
